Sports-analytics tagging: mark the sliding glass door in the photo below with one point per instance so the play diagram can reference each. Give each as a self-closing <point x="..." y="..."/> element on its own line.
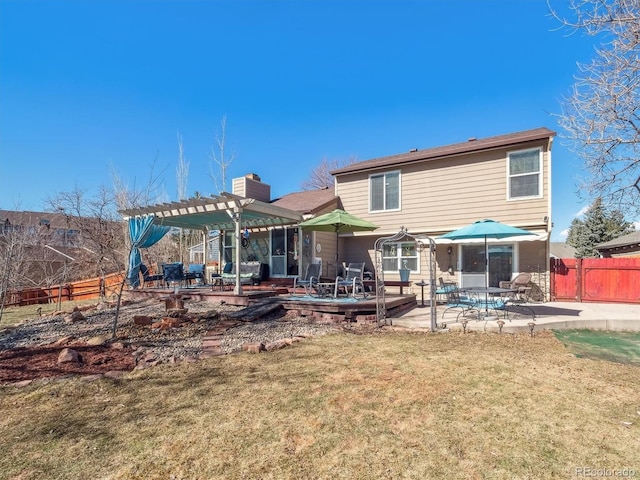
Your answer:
<point x="473" y="264"/>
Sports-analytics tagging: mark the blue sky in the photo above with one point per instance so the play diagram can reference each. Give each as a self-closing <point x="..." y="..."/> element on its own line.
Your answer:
<point x="92" y="87"/>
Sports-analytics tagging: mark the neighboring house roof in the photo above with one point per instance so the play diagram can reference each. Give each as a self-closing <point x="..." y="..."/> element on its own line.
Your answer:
<point x="562" y="250"/>
<point x="473" y="145"/>
<point x="32" y="219"/>
<point x="631" y="239"/>
<point x="307" y="201"/>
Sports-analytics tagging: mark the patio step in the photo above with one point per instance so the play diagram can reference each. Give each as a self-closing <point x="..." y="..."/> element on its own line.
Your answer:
<point x="212" y="340"/>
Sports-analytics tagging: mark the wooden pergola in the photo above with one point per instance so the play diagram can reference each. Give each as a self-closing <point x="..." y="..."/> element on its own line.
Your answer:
<point x="221" y="212"/>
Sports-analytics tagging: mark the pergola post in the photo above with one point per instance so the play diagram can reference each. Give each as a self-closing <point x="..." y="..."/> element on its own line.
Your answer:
<point x="237" y="218"/>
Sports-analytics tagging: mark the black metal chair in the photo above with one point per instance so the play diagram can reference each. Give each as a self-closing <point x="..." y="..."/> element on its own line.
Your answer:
<point x="148" y="277"/>
<point x="173" y="273"/>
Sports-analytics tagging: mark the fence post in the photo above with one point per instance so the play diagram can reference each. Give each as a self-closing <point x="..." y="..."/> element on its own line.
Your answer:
<point x="579" y="279"/>
<point x="552" y="279"/>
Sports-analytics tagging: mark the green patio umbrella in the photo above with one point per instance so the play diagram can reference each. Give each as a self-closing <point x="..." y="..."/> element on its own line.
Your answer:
<point x="338" y="221"/>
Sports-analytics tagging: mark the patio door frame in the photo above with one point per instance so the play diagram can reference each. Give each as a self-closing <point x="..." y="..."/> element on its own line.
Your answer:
<point x="477" y="279"/>
<point x="284" y="255"/>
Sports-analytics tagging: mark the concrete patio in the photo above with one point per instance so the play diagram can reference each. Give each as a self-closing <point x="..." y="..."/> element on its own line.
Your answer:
<point x="550" y="315"/>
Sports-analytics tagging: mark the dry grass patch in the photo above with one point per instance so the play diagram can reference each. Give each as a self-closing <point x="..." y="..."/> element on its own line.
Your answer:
<point x="16" y="315"/>
<point x="396" y="405"/>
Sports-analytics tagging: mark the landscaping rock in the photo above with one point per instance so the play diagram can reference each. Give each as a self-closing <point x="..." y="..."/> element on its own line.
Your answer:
<point x="143" y="320"/>
<point x="95" y="341"/>
<point x="69" y="355"/>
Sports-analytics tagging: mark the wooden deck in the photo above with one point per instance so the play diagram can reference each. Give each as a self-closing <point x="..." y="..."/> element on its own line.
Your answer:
<point x="333" y="310"/>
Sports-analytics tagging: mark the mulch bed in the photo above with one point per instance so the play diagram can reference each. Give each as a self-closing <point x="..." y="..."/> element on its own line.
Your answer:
<point x="30" y="363"/>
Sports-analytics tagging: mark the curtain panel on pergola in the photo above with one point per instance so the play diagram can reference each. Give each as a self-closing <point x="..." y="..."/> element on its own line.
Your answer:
<point x="143" y="233"/>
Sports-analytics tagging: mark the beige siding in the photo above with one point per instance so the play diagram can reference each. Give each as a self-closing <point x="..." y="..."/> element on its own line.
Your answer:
<point x="250" y="188"/>
<point x="441" y="195"/>
<point x="438" y="196"/>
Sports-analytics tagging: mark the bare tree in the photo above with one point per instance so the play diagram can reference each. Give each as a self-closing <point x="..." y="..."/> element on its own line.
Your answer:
<point x="182" y="175"/>
<point x="600" y="116"/>
<point x="13" y="246"/>
<point x="132" y="196"/>
<point x="320" y="176"/>
<point x="219" y="156"/>
<point x="182" y="171"/>
<point x="98" y="225"/>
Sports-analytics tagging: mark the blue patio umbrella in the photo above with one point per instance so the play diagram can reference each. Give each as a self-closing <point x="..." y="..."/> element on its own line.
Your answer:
<point x="485" y="229"/>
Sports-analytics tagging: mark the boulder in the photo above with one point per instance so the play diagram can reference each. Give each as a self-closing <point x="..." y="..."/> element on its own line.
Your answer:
<point x="67" y="355"/>
<point x="97" y="341"/>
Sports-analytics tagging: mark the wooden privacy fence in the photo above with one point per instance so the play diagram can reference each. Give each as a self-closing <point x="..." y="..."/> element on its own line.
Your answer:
<point x="80" y="290"/>
<point x="606" y="280"/>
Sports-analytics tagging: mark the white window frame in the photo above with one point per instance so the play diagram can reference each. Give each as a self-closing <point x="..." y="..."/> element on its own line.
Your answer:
<point x="384" y="174"/>
<point x="510" y="197"/>
<point x="399" y="257"/>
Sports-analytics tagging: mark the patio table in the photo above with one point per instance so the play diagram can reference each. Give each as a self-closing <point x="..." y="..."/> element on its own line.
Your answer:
<point x="487" y="291"/>
<point x="325" y="289"/>
<point x="509" y="293"/>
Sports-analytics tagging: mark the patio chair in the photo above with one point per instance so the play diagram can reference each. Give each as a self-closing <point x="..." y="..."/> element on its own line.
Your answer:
<point x="445" y="288"/>
<point x="310" y="280"/>
<point x="195" y="272"/>
<point x="148" y="277"/>
<point x="520" y="283"/>
<point x="352" y="280"/>
<point x="455" y="300"/>
<point x="173" y="273"/>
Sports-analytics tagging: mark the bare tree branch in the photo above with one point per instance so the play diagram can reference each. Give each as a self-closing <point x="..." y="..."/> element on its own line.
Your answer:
<point x="600" y="116"/>
<point x="320" y="176"/>
<point x="219" y="157"/>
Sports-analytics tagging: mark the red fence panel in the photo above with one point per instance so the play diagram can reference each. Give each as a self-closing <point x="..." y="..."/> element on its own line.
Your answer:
<point x="80" y="290"/>
<point x="611" y="280"/>
<point x="564" y="279"/>
<point x="606" y="280"/>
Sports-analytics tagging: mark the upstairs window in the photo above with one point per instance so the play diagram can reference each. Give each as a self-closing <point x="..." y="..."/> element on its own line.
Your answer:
<point x="384" y="191"/>
<point x="525" y="174"/>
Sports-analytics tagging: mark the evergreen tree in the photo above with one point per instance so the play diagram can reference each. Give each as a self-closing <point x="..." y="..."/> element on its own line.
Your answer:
<point x="598" y="226"/>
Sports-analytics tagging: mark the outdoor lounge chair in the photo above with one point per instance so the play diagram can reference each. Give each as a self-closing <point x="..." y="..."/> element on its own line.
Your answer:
<point x="352" y="280"/>
<point x="310" y="280"/>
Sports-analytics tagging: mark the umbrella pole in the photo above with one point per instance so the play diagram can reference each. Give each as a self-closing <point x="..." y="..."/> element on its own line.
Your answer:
<point x="486" y="277"/>
<point x="337" y="251"/>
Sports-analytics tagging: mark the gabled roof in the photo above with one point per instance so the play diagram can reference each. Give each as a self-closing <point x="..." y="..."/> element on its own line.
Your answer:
<point x="307" y="201"/>
<point x="471" y="146"/>
<point x="217" y="212"/>
<point x="631" y="239"/>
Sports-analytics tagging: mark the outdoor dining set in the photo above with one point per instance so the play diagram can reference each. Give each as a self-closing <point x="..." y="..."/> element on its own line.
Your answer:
<point x="489" y="303"/>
